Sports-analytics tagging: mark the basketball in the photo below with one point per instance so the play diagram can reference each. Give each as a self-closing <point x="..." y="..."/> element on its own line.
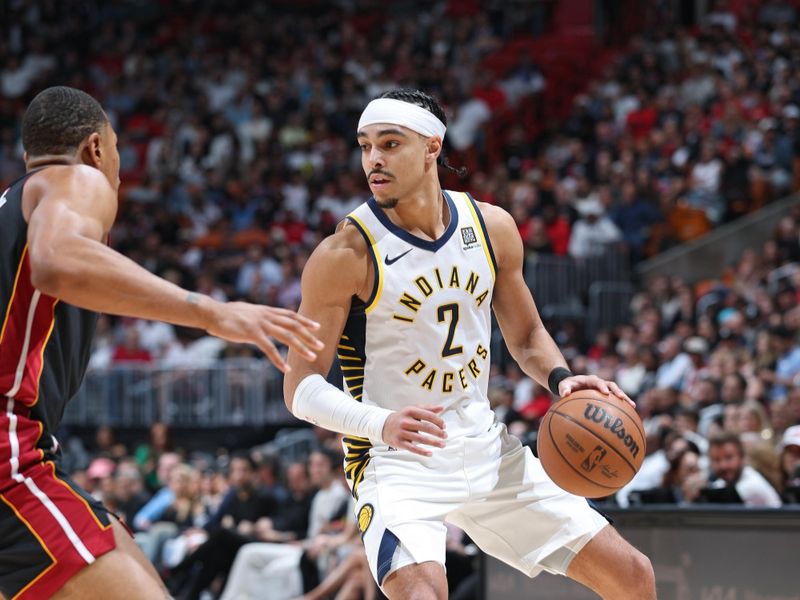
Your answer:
<point x="591" y="444"/>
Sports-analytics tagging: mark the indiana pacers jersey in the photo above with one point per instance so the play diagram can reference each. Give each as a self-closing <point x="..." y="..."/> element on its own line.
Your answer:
<point x="422" y="337"/>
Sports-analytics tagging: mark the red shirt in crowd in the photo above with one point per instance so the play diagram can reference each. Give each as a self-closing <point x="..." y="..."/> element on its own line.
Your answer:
<point x="558" y="231"/>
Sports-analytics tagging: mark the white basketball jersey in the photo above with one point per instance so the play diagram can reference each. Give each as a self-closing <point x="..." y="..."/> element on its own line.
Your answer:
<point x="423" y="335"/>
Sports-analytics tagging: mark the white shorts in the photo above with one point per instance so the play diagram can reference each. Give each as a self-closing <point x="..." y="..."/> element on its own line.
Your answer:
<point x="488" y="485"/>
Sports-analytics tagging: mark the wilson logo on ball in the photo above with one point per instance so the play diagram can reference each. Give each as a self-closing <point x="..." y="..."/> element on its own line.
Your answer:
<point x="598" y="414"/>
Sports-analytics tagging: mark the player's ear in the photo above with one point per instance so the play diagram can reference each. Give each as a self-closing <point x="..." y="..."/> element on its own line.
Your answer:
<point x="91" y="152"/>
<point x="434" y="146"/>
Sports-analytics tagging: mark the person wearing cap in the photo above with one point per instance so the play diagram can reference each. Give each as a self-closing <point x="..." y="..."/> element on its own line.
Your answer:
<point x="789" y="450"/>
<point x="392" y="291"/>
<point x="593" y="232"/>
<point x="696" y="348"/>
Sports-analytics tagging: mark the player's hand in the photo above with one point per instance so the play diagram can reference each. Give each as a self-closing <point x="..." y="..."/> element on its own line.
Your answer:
<point x="414" y="425"/>
<point x="254" y="324"/>
<point x="592" y="382"/>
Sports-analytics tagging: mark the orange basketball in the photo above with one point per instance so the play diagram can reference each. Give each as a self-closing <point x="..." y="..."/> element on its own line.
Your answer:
<point x="591" y="444"/>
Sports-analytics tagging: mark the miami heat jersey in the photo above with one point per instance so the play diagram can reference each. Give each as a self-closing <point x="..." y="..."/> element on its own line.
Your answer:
<point x="423" y="335"/>
<point x="44" y="344"/>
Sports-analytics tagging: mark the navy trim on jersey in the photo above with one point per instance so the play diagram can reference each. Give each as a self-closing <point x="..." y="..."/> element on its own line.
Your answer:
<point x="596" y="508"/>
<point x="389" y="543"/>
<point x="375" y="266"/>
<point x="431" y="245"/>
<point x="485" y="231"/>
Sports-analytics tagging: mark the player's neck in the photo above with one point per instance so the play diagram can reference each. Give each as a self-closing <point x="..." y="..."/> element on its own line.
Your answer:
<point x="46" y="160"/>
<point x="423" y="212"/>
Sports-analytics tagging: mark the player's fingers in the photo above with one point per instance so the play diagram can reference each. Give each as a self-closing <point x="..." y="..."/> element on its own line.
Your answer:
<point x="437" y="408"/>
<point x="292" y="323"/>
<point x="422" y="414"/>
<point x="414" y="449"/>
<point x="619" y="393"/>
<point x="596" y="382"/>
<point x="419" y="438"/>
<point x="299" y="331"/>
<point x="310" y="323"/>
<point x="292" y="341"/>
<point x="430" y="428"/>
<point x="268" y="348"/>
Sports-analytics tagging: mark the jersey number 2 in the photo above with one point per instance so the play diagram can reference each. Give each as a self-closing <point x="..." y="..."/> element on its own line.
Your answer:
<point x="448" y="349"/>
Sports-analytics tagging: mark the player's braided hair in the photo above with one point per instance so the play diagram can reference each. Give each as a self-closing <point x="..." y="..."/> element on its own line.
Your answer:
<point x="58" y="119"/>
<point x="430" y="104"/>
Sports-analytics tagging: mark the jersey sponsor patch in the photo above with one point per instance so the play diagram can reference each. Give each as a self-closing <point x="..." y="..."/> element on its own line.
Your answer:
<point x="468" y="237"/>
<point x="365" y="518"/>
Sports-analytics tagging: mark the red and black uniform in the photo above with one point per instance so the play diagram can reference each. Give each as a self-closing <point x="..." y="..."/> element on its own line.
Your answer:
<point x="49" y="528"/>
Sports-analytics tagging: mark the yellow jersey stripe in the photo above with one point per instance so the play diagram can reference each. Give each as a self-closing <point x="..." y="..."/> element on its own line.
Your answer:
<point x="376" y="261"/>
<point x="481" y="232"/>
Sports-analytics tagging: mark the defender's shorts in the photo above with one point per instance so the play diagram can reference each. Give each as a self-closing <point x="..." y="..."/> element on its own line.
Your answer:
<point x="49" y="528"/>
<point x="488" y="485"/>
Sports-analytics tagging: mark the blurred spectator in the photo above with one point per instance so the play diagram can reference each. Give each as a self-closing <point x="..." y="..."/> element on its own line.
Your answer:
<point x="107" y="445"/>
<point x="681" y="483"/>
<point x="230" y="528"/>
<point x="273" y="570"/>
<point x="163" y="497"/>
<point x="593" y="232"/>
<point x="148" y="456"/>
<point x="131" y="351"/>
<point x="790" y="464"/>
<point x="129" y="494"/>
<point x="100" y="478"/>
<point x="728" y="468"/>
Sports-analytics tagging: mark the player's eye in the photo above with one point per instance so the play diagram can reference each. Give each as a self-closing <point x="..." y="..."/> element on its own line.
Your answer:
<point x="364" y="147"/>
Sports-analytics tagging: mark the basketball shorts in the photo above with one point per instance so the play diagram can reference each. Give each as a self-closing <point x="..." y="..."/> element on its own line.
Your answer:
<point x="488" y="485"/>
<point x="49" y="528"/>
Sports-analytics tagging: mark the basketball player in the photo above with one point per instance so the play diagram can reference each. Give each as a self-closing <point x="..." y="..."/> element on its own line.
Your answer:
<point x="404" y="292"/>
<point x="56" y="273"/>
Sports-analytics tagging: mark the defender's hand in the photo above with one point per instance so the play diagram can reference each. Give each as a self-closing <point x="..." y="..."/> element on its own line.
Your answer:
<point x="414" y="425"/>
<point x="254" y="324"/>
<point x="591" y="382"/>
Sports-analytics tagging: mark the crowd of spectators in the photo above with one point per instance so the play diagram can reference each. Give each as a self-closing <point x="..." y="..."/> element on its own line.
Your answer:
<point x="715" y="370"/>
<point x="237" y="143"/>
<point x="236" y="138"/>
<point x="236" y="122"/>
<point x="251" y="523"/>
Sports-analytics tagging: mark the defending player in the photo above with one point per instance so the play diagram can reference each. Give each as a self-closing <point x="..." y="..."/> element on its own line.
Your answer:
<point x="56" y="273"/>
<point x="404" y="292"/>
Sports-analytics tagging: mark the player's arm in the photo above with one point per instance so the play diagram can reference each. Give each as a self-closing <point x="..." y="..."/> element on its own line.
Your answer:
<point x="526" y="337"/>
<point x="337" y="270"/>
<point x="73" y="209"/>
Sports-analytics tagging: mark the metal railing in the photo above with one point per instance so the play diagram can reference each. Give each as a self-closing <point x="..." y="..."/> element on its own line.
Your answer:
<point x="609" y="305"/>
<point x="231" y="392"/>
<point x="563" y="287"/>
<point x="234" y="392"/>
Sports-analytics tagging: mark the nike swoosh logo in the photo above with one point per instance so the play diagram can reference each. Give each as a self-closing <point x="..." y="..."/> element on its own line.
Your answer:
<point x="391" y="261"/>
<point x="3" y="198"/>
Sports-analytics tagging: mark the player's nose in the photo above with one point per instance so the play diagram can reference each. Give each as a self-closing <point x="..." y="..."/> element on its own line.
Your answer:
<point x="376" y="158"/>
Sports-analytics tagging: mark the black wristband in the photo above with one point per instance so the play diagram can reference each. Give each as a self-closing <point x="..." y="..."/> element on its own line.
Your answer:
<point x="556" y="376"/>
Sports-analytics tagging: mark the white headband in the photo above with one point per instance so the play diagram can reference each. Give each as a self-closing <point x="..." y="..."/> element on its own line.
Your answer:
<point x="405" y="114"/>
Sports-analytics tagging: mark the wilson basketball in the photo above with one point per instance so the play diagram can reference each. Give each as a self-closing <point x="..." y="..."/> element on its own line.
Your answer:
<point x="591" y="444"/>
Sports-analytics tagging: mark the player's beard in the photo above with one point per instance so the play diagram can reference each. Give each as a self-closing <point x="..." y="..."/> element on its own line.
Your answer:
<point x="388" y="203"/>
